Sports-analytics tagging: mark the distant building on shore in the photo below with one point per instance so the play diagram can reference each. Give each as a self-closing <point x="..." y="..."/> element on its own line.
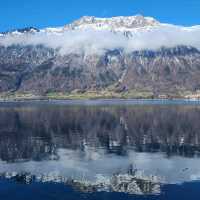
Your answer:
<point x="193" y="96"/>
<point x="163" y="96"/>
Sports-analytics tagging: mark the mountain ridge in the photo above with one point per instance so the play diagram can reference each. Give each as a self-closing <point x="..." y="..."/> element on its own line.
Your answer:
<point x="150" y="60"/>
<point x="111" y="23"/>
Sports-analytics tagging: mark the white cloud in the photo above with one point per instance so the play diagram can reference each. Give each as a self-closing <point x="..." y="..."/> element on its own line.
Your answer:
<point x="96" y="41"/>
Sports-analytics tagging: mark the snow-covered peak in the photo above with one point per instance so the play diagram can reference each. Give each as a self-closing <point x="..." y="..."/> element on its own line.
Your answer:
<point x="114" y="23"/>
<point x="128" y="25"/>
<point x="21" y="31"/>
<point x="89" y="34"/>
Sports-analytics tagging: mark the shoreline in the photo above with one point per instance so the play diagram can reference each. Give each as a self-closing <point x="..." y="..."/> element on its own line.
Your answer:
<point x="94" y="96"/>
<point x="104" y="101"/>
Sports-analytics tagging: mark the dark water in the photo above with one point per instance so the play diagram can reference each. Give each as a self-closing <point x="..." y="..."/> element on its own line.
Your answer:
<point x="100" y="150"/>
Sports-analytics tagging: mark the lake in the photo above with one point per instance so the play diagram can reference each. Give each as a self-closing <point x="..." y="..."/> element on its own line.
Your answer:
<point x="100" y="149"/>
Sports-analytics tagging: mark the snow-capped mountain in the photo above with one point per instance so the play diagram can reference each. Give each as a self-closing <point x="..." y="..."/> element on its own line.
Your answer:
<point x="135" y="24"/>
<point x="114" y="23"/>
<point x="90" y="34"/>
<point x="133" y="53"/>
<point x="89" y="22"/>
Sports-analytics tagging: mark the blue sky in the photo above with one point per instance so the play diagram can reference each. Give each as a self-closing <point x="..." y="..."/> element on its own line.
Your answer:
<point x="43" y="13"/>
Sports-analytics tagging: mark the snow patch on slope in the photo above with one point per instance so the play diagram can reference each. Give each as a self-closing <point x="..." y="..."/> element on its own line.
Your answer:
<point x="96" y="35"/>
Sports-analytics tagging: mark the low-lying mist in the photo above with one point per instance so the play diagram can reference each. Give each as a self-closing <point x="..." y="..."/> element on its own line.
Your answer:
<point x="97" y="41"/>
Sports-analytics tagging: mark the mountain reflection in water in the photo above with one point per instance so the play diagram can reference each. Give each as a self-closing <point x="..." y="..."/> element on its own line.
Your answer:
<point x="131" y="149"/>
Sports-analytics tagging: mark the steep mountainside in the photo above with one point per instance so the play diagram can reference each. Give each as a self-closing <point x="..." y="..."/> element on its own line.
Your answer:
<point x="29" y="65"/>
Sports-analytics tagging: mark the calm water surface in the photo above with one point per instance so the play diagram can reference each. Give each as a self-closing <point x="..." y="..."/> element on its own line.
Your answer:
<point x="100" y="150"/>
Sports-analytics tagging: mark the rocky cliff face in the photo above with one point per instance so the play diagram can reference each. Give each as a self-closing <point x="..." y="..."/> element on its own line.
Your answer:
<point x="39" y="68"/>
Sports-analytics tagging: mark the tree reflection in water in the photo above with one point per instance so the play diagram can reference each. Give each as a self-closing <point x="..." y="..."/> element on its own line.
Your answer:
<point x="35" y="134"/>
